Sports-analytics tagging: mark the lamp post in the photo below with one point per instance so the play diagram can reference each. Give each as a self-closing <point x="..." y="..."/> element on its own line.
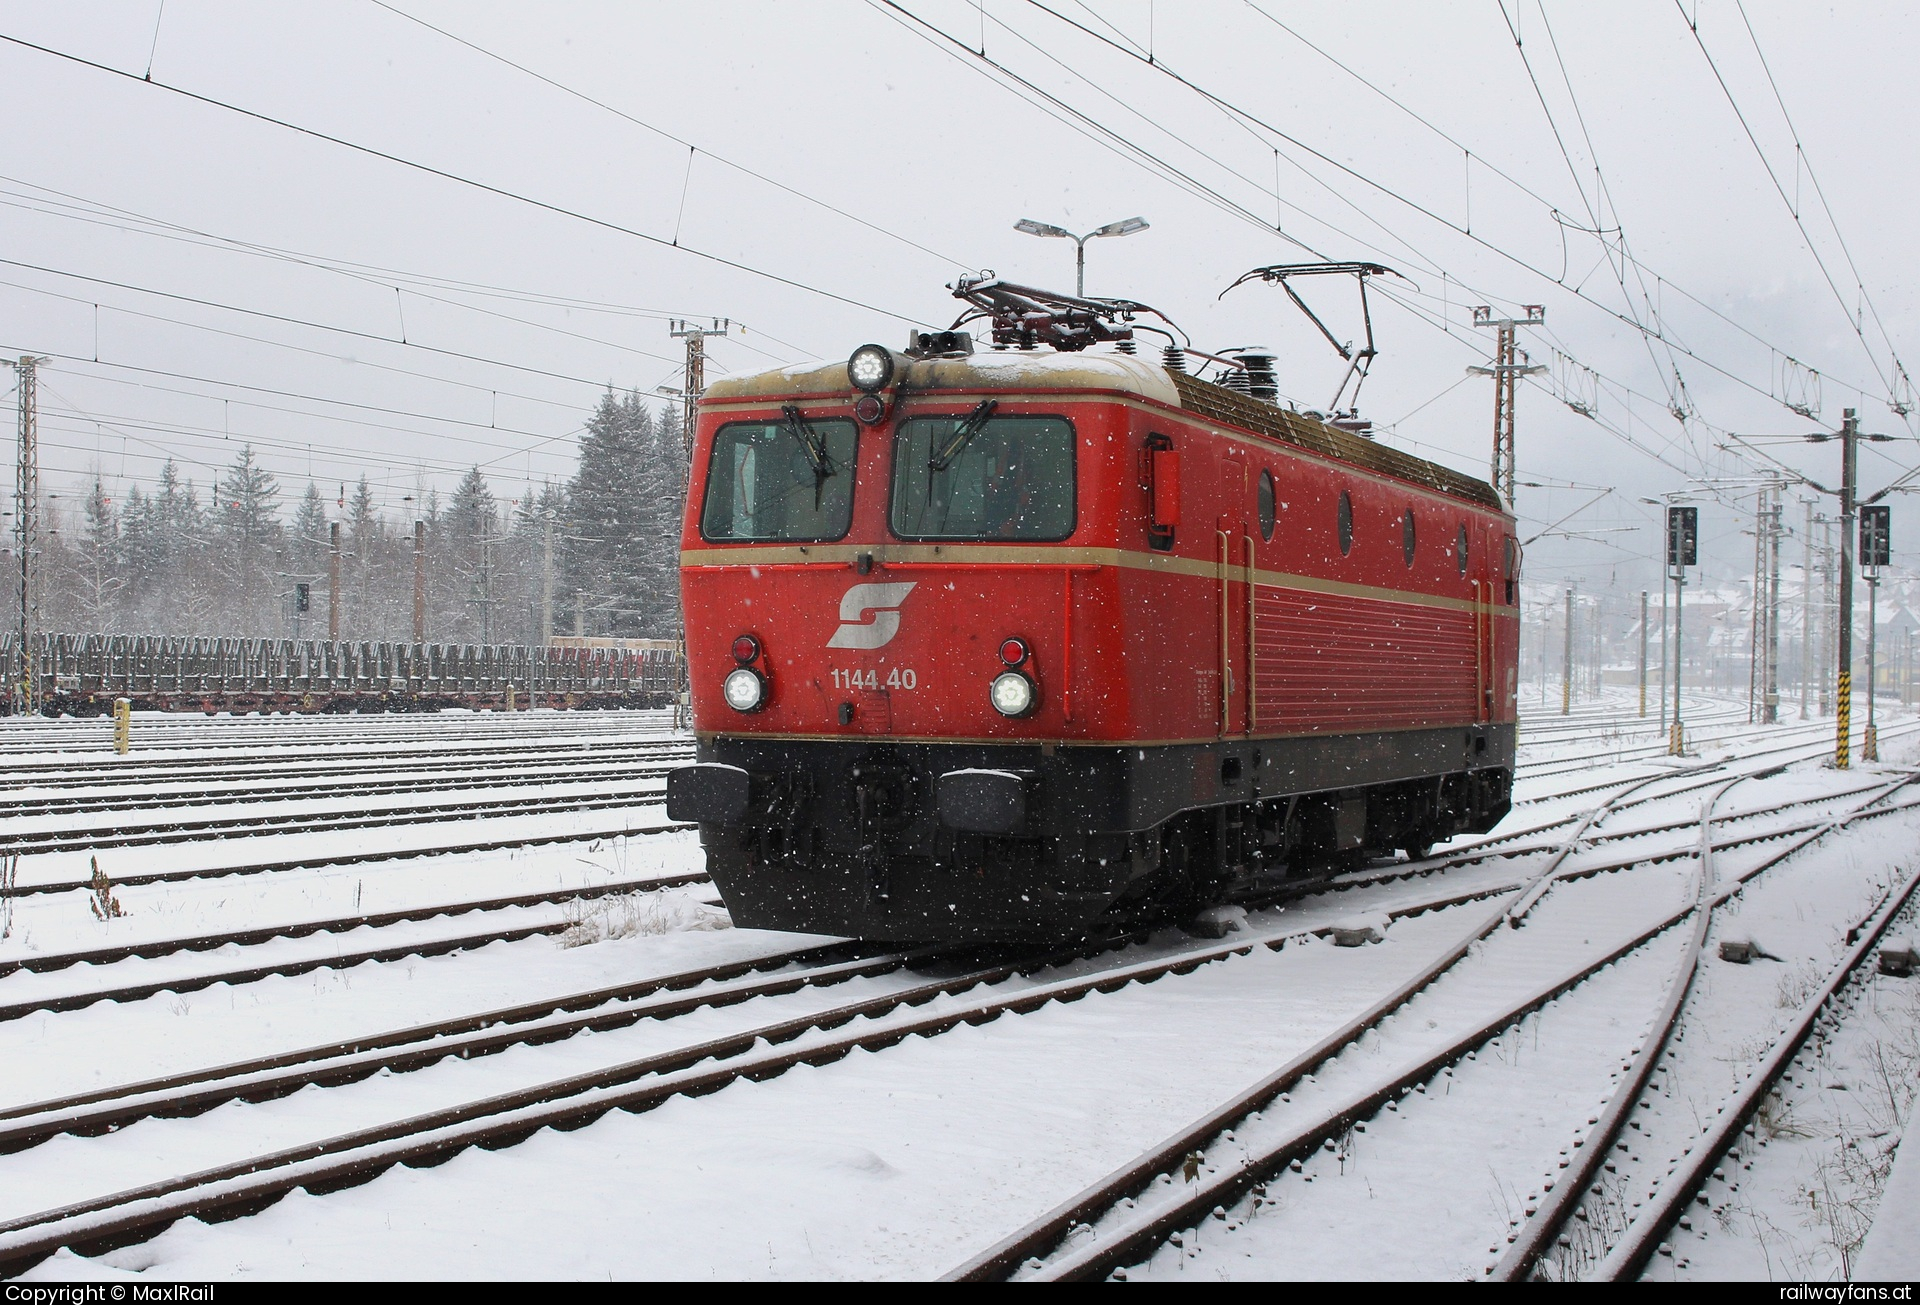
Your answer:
<point x="1123" y="228"/>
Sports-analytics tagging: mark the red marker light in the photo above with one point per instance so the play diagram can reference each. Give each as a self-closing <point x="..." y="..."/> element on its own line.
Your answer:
<point x="1013" y="652"/>
<point x="745" y="649"/>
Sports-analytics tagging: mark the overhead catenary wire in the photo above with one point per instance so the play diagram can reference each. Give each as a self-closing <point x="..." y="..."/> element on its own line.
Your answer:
<point x="1666" y="281"/>
<point x="1161" y="67"/>
<point x="70" y="207"/>
<point x="1693" y="26"/>
<point x="289" y="320"/>
<point x="574" y="92"/>
<point x="446" y="174"/>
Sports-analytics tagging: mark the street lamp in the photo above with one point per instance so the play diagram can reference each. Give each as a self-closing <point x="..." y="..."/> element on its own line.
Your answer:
<point x="1123" y="228"/>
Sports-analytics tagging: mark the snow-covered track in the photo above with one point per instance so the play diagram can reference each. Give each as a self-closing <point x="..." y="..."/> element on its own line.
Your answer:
<point x="1629" y="1254"/>
<point x="1630" y="1257"/>
<point x="400" y="1050"/>
<point x="329" y="960"/>
<point x="315" y="761"/>
<point x="1046" y="1235"/>
<point x="275" y="784"/>
<point x="758" y="1052"/>
<point x="1653" y="750"/>
<point x="165" y="831"/>
<point x="1128" y="1238"/>
<point x="1752" y="761"/>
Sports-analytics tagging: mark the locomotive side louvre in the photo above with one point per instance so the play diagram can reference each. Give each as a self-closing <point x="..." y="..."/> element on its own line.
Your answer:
<point x="1279" y="668"/>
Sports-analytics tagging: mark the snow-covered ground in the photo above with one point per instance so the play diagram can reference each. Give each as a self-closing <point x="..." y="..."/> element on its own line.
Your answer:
<point x="905" y="1162"/>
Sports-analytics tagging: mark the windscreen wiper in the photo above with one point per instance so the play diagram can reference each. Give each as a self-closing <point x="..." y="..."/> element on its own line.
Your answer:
<point x="813" y="445"/>
<point x="970" y="425"/>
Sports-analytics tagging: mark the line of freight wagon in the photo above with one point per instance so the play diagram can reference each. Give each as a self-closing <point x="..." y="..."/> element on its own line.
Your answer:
<point x="82" y="675"/>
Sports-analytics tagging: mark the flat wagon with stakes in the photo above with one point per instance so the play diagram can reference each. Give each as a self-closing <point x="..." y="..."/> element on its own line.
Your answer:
<point x="1010" y="642"/>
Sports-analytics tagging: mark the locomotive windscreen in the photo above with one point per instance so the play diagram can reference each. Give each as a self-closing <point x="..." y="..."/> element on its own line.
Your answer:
<point x="1011" y="479"/>
<point x="780" y="480"/>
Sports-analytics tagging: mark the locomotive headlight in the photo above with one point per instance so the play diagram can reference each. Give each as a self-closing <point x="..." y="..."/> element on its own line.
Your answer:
<point x="870" y="368"/>
<point x="1011" y="694"/>
<point x="744" y="689"/>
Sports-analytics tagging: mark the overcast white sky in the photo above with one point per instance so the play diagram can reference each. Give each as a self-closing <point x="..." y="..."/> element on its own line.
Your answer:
<point x="825" y="167"/>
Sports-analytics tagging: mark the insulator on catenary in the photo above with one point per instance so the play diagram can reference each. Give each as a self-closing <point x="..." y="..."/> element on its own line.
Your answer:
<point x="1173" y="358"/>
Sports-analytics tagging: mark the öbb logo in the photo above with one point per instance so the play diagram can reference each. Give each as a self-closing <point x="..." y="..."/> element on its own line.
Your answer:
<point x="883" y="601"/>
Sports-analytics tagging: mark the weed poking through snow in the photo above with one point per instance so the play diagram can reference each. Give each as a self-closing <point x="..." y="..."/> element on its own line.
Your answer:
<point x="9" y="876"/>
<point x="103" y="903"/>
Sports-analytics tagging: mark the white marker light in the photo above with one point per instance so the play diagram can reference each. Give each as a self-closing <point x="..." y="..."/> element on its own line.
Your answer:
<point x="1011" y="694"/>
<point x="744" y="689"/>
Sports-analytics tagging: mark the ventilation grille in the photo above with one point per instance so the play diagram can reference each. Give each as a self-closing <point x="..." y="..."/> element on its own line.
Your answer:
<point x="1223" y="405"/>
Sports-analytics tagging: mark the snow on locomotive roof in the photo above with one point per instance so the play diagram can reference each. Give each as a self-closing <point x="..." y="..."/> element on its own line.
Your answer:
<point x="1036" y="370"/>
<point x="1126" y="374"/>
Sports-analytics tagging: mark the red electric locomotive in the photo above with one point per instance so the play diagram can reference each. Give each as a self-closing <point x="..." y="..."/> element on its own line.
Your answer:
<point x="1004" y="643"/>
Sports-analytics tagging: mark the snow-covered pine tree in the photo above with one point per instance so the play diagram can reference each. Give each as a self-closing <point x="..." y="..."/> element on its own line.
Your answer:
<point x="247" y="524"/>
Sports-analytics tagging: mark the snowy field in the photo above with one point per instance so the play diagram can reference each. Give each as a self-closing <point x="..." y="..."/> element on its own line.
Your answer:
<point x="306" y="952"/>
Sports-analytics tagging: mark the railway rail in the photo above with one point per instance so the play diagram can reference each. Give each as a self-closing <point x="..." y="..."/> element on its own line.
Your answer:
<point x="1127" y="1238"/>
<point x="756" y="1052"/>
<point x="920" y="1008"/>
<point x="151" y="949"/>
<point x="161" y="832"/>
<point x="1535" y="1239"/>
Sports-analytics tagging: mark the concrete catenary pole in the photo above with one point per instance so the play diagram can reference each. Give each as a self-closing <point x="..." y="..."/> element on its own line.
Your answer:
<point x="1643" y="654"/>
<point x="1771" y="701"/>
<point x="333" y="581"/>
<point x="1825" y="523"/>
<point x="1843" y="715"/>
<point x="1566" y="663"/>
<point x="1757" y="625"/>
<point x="1666" y="649"/>
<point x="419" y="581"/>
<point x="1806" y="610"/>
<point x="696" y="382"/>
<point x="546" y="587"/>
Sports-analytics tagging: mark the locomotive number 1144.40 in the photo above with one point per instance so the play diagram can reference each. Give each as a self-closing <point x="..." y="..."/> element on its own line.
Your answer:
<point x="899" y="677"/>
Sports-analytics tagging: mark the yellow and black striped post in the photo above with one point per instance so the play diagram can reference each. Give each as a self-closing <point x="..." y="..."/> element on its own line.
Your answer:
<point x="122" y="725"/>
<point x="1843" y="742"/>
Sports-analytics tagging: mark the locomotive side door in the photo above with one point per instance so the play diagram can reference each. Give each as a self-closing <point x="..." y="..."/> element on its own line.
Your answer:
<point x="1233" y="594"/>
<point x="1483" y="567"/>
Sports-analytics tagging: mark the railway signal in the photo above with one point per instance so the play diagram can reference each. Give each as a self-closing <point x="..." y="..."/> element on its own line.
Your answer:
<point x="1683" y="551"/>
<point x="1876" y="551"/>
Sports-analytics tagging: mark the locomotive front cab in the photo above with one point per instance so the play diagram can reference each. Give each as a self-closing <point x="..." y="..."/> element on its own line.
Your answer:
<point x="889" y="603"/>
